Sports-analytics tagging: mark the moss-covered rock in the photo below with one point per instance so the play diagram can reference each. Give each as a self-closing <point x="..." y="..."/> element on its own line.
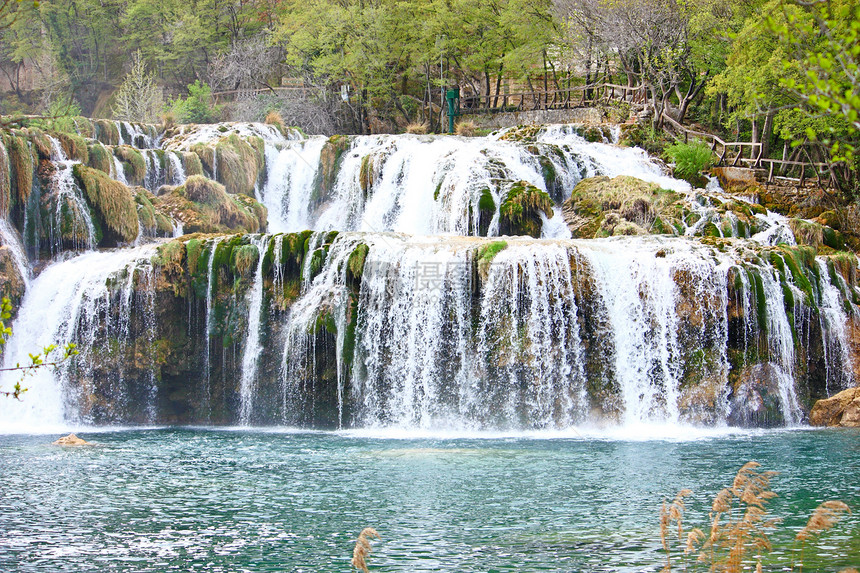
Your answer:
<point x="191" y="164"/>
<point x="106" y="131"/>
<point x="239" y="163"/>
<point x="331" y="156"/>
<point x="100" y="158"/>
<point x="112" y="202"/>
<point x="485" y="255"/>
<point x="601" y="207"/>
<point x="204" y="206"/>
<point x="74" y="146"/>
<point x="134" y="165"/>
<point x="519" y="213"/>
<point x="22" y="167"/>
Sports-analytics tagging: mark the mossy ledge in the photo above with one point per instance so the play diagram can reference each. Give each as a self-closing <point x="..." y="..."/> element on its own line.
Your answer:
<point x="113" y="204"/>
<point x="204" y="206"/>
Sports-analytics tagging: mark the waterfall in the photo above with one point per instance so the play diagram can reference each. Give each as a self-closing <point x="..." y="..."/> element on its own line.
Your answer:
<point x="117" y="171"/>
<point x="9" y="238"/>
<point x="70" y="203"/>
<point x="210" y="288"/>
<point x="177" y="172"/>
<point x="833" y="320"/>
<point x="251" y="350"/>
<point x="287" y="193"/>
<point x="72" y="301"/>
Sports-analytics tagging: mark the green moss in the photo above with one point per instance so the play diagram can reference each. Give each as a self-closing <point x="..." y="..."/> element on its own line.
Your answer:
<point x="833" y="239"/>
<point x="145" y="210"/>
<point x="193" y="249"/>
<point x="245" y="259"/>
<point x="239" y="164"/>
<point x="331" y="156"/>
<point x="191" y="164"/>
<point x="74" y="146"/>
<point x="21" y="172"/>
<point x="760" y="301"/>
<point x="206" y="207"/>
<point x="355" y="264"/>
<point x="106" y="132"/>
<point x="170" y="257"/>
<point x="317" y="262"/>
<point x="520" y="211"/>
<point x="100" y="158"/>
<point x="710" y="230"/>
<point x="163" y="225"/>
<point x="205" y="156"/>
<point x="794" y="258"/>
<point x="133" y="164"/>
<point x="112" y="202"/>
<point x="367" y="176"/>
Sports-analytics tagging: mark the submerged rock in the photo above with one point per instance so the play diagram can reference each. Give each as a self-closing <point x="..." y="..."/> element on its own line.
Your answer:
<point x="71" y="440"/>
<point x="755" y="402"/>
<point x="843" y="410"/>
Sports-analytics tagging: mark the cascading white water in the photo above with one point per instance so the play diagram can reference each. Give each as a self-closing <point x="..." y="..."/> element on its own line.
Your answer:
<point x="9" y="238"/>
<point x="833" y="320"/>
<point x="641" y="299"/>
<point x="210" y="287"/>
<point x="528" y="318"/>
<point x="287" y="194"/>
<point x="780" y="345"/>
<point x="70" y="301"/>
<point x="251" y="350"/>
<point x="428" y="184"/>
<point x="69" y="197"/>
<point x="177" y="171"/>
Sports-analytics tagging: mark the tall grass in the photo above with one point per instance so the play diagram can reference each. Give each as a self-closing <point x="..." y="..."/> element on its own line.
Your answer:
<point x="362" y="548"/>
<point x="740" y="526"/>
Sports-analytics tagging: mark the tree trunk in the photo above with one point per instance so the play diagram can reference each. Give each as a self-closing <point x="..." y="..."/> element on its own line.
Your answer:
<point x="767" y="133"/>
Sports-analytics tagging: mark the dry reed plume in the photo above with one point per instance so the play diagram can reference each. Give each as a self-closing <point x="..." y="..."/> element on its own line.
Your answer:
<point x="823" y="518"/>
<point x="740" y="524"/>
<point x="362" y="548"/>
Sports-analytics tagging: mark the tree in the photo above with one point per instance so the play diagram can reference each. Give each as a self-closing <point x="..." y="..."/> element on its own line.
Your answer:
<point x="824" y="38"/>
<point x="138" y="98"/>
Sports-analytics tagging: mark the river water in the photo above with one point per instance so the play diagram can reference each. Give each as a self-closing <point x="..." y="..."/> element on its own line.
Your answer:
<point x="199" y="499"/>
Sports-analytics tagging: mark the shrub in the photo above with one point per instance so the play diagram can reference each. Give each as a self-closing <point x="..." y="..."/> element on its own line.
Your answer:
<point x="466" y="128"/>
<point x="197" y="107"/>
<point x="417" y="128"/>
<point x="690" y="159"/>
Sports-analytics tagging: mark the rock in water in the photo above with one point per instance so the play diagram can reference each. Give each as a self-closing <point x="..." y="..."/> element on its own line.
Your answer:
<point x="71" y="440"/>
<point x="843" y="410"/>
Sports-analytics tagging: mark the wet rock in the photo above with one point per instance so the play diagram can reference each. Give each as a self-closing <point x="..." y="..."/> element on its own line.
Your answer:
<point x="843" y="410"/>
<point x="755" y="401"/>
<point x="71" y="440"/>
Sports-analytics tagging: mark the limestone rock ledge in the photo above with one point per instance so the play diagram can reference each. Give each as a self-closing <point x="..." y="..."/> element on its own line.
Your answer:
<point x="842" y="410"/>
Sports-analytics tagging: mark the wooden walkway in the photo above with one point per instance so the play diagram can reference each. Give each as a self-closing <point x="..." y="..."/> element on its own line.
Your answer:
<point x="734" y="151"/>
<point x="578" y="96"/>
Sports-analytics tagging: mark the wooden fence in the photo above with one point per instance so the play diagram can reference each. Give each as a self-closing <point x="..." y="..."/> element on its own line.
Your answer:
<point x="735" y="152"/>
<point x="578" y="96"/>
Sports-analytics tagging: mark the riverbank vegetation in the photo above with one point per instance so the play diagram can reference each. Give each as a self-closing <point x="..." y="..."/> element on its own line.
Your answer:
<point x="767" y="70"/>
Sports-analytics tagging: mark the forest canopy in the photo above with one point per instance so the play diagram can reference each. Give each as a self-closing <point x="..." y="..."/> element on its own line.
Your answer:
<point x="772" y="71"/>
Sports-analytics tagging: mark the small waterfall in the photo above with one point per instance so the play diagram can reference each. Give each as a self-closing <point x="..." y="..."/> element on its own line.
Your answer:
<point x="833" y="320"/>
<point x="117" y="171"/>
<point x="251" y="351"/>
<point x="71" y="301"/>
<point x="640" y="300"/>
<point x="177" y="172"/>
<point x="780" y="342"/>
<point x="287" y="193"/>
<point x="154" y="176"/>
<point x="210" y="288"/>
<point x="9" y="238"/>
<point x="70" y="203"/>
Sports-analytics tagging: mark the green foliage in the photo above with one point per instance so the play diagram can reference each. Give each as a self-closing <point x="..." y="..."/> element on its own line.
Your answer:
<point x="197" y="107"/>
<point x="690" y="160"/>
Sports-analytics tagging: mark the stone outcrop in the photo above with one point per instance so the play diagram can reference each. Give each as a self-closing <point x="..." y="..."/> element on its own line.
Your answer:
<point x="842" y="410"/>
<point x="71" y="440"/>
